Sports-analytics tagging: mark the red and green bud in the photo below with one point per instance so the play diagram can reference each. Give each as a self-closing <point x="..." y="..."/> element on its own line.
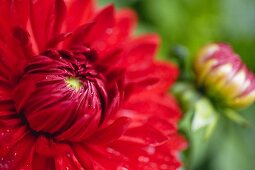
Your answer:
<point x="224" y="76"/>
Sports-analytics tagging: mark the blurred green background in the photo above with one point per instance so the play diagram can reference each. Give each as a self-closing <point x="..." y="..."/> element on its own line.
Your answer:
<point x="194" y="23"/>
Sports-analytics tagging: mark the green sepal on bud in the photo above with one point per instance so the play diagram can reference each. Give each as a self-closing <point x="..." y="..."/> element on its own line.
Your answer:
<point x="205" y="116"/>
<point x="199" y="111"/>
<point x="236" y="117"/>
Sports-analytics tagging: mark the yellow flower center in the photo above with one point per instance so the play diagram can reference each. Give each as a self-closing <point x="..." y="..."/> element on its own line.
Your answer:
<point x="74" y="83"/>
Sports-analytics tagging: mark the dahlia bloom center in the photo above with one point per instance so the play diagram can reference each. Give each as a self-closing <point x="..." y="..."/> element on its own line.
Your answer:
<point x="60" y="91"/>
<point x="74" y="82"/>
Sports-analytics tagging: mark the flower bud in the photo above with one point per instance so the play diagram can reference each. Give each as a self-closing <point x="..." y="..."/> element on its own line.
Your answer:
<point x="224" y="77"/>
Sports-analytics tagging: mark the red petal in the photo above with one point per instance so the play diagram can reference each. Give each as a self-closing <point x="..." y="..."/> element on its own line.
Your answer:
<point x="100" y="157"/>
<point x="48" y="147"/>
<point x="20" y="12"/>
<point x="110" y="133"/>
<point x="41" y="162"/>
<point x="165" y="72"/>
<point x="81" y="129"/>
<point x="126" y="21"/>
<point x="50" y="23"/>
<point x="144" y="134"/>
<point x="79" y="34"/>
<point x="83" y="157"/>
<point x="115" y="37"/>
<point x="66" y="162"/>
<point x="165" y="126"/>
<point x="5" y="14"/>
<point x="147" y="104"/>
<point x="78" y="13"/>
<point x="147" y="157"/>
<point x="177" y="142"/>
<point x="14" y="14"/>
<point x="12" y="56"/>
<point x="140" y="85"/>
<point x="18" y="156"/>
<point x="103" y="21"/>
<point x="22" y="93"/>
<point x="57" y="39"/>
<point x="140" y="52"/>
<point x="8" y="116"/>
<point x="24" y="41"/>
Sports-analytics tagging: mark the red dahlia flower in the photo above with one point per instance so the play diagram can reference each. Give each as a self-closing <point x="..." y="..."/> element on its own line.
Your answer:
<point x="78" y="91"/>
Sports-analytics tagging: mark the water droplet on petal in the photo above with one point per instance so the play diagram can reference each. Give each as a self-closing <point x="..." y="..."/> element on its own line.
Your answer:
<point x="121" y="168"/>
<point x="34" y="1"/>
<point x="6" y="166"/>
<point x="109" y="31"/>
<point x="112" y="151"/>
<point x="153" y="165"/>
<point x="150" y="150"/>
<point x="86" y="116"/>
<point x="144" y="159"/>
<point x="164" y="166"/>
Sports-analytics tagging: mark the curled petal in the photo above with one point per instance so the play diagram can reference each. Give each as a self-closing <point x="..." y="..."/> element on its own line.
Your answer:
<point x="110" y="133"/>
